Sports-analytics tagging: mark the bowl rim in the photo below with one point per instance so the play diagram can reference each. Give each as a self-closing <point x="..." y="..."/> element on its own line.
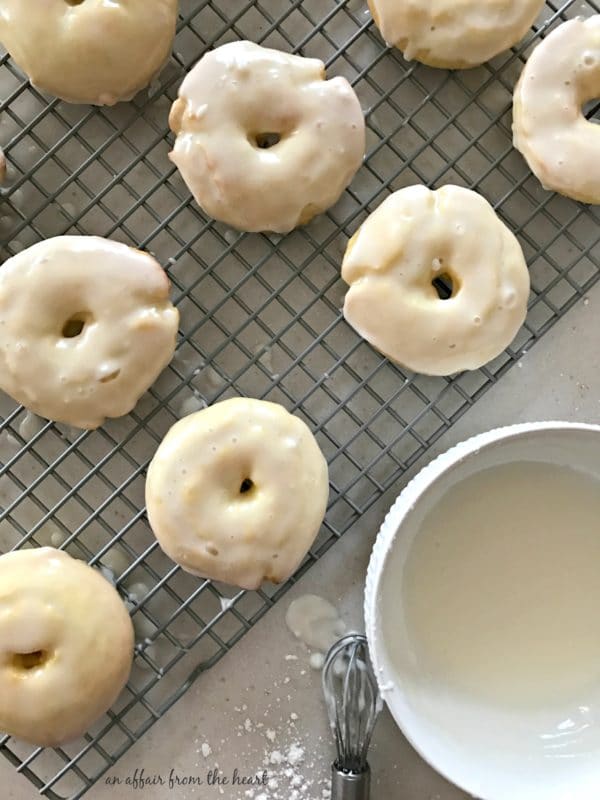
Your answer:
<point x="384" y="543"/>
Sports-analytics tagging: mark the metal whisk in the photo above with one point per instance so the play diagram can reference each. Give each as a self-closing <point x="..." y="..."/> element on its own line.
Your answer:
<point x="353" y="703"/>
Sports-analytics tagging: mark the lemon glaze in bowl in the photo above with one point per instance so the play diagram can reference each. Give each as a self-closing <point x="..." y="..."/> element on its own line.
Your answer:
<point x="495" y="751"/>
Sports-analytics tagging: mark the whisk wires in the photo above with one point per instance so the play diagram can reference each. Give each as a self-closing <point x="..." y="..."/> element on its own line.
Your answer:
<point x="353" y="701"/>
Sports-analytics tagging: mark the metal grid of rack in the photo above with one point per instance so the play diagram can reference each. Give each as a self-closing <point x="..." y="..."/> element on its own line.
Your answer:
<point x="260" y="316"/>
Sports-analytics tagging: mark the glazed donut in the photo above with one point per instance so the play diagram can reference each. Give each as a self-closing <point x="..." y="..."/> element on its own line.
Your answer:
<point x="237" y="492"/>
<point x="89" y="52"/>
<point x="66" y="646"/>
<point x="416" y="238"/>
<point x="560" y="145"/>
<point x="454" y="34"/>
<point x="86" y="326"/>
<point x="264" y="142"/>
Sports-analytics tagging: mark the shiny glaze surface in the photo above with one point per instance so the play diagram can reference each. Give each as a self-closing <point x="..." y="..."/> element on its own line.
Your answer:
<point x="454" y="34"/>
<point x="414" y="237"/>
<point x="238" y="99"/>
<point x="59" y="612"/>
<point x="237" y="492"/>
<point x="560" y="145"/>
<point x="97" y="51"/>
<point x="119" y="297"/>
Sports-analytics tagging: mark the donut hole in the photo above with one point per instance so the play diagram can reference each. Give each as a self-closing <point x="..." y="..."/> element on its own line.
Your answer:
<point x="263" y="141"/>
<point x="445" y="285"/>
<point x="591" y="111"/>
<point x="246" y="486"/>
<point x="25" y="662"/>
<point x="74" y="326"/>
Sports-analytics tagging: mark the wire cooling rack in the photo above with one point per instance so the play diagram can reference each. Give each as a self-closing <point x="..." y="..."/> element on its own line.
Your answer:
<point x="260" y="316"/>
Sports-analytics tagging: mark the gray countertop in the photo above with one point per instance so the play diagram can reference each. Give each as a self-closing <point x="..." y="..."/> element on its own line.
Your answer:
<point x="262" y="702"/>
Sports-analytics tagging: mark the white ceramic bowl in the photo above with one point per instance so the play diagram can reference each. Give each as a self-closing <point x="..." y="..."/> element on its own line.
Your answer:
<point x="549" y="754"/>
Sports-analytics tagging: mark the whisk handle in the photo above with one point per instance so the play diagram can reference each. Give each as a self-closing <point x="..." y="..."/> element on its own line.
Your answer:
<point x="350" y="786"/>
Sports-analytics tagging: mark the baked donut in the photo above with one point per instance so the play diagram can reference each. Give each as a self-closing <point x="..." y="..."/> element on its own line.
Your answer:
<point x="454" y="34"/>
<point x="394" y="264"/>
<point x="237" y="492"/>
<point x="86" y="326"/>
<point x="560" y="145"/>
<point x="89" y="51"/>
<point x="66" y="646"/>
<point x="264" y="142"/>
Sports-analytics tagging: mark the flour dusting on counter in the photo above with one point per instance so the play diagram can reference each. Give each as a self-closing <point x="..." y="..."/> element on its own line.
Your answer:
<point x="276" y="743"/>
<point x="206" y="749"/>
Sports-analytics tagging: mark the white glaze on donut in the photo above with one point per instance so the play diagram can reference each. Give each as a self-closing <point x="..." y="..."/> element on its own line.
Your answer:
<point x="66" y="646"/>
<point x="454" y="34"/>
<point x="560" y="145"/>
<point x="230" y="101"/>
<point x="237" y="492"/>
<point x="118" y="296"/>
<point x="94" y="51"/>
<point x="414" y="237"/>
